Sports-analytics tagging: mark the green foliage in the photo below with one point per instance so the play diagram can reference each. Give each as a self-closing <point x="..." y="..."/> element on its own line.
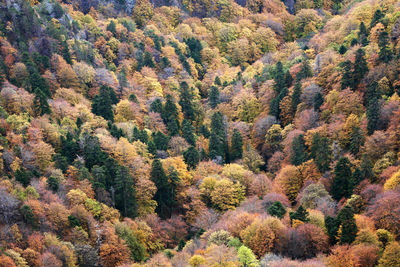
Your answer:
<point x="191" y="157"/>
<point x="170" y="116"/>
<point x="125" y="192"/>
<point x="321" y="152"/>
<point x="213" y="96"/>
<point x="247" y="257"/>
<point x="385" y="53"/>
<point x="300" y="214"/>
<point x="296" y="97"/>
<point x="277" y="209"/>
<point x="53" y="183"/>
<point x="342" y="185"/>
<point x="236" y="151"/>
<point x="186" y="101"/>
<point x="218" y="142"/>
<point x="102" y="103"/>
<point x="23" y="176"/>
<point x="138" y="252"/>
<point x="348" y="225"/>
<point x="28" y="215"/>
<point x="160" y="140"/>
<point x="299" y="153"/>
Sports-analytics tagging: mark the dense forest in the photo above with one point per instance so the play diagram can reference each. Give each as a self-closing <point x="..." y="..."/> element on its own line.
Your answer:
<point x="199" y="133"/>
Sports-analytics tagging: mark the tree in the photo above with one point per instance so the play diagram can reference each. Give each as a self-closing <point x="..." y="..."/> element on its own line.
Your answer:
<point x="111" y="27"/>
<point x="187" y="132"/>
<point x="160" y="140"/>
<point x="296" y="97"/>
<point x="186" y="102"/>
<point x="342" y="182"/>
<point x="390" y="255"/>
<point x="138" y="252"/>
<point x="360" y="68"/>
<point x="148" y="60"/>
<point x="300" y="214"/>
<point x="247" y="257"/>
<point x="218" y="143"/>
<point x="373" y="111"/>
<point x="40" y="104"/>
<point x="363" y="34"/>
<point x="170" y="116"/>
<point x="213" y="97"/>
<point x="142" y="12"/>
<point x="347" y="75"/>
<point x="348" y="228"/>
<point x="165" y="195"/>
<point x="332" y="228"/>
<point x="23" y="176"/>
<point x="53" y="183"/>
<point x="321" y="152"/>
<point x="125" y="193"/>
<point x="191" y="157"/>
<point x="305" y="71"/>
<point x="378" y="16"/>
<point x="385" y="53"/>
<point x="299" y="153"/>
<point x="236" y="151"/>
<point x="102" y="103"/>
<point x="318" y="101"/>
<point x="342" y="50"/>
<point x="28" y="215"/>
<point x="277" y="209"/>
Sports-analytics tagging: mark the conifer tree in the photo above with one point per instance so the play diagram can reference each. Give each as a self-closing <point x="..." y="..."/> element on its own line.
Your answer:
<point x="305" y="71"/>
<point x="156" y="106"/>
<point x="218" y="143"/>
<point x="236" y="146"/>
<point x="148" y="60"/>
<point x="299" y="154"/>
<point x="373" y="111"/>
<point x="170" y="116"/>
<point x="191" y="157"/>
<point x="186" y="102"/>
<point x="347" y="76"/>
<point x="40" y="104"/>
<point x="279" y="77"/>
<point x="213" y="97"/>
<point x="378" y="16"/>
<point x="360" y="68"/>
<point x="102" y="103"/>
<point x="288" y="79"/>
<point x="160" y="140"/>
<point x="342" y="181"/>
<point x="301" y="214"/>
<point x="277" y="209"/>
<point x="125" y="193"/>
<point x="321" y="152"/>
<point x="363" y="34"/>
<point x="356" y="140"/>
<point x="318" y="101"/>
<point x="187" y="132"/>
<point x="385" y="53"/>
<point x="332" y="227"/>
<point x="296" y="97"/>
<point x="348" y="228"/>
<point x="342" y="50"/>
<point x="111" y="27"/>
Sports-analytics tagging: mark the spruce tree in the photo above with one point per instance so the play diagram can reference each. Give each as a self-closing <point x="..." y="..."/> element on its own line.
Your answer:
<point x="342" y="50"/>
<point x="191" y="157"/>
<point x="23" y="176"/>
<point x="125" y="193"/>
<point x="164" y="195"/>
<point x="218" y="143"/>
<point x="347" y="76"/>
<point x="356" y="140"/>
<point x="111" y="27"/>
<point x="318" y="101"/>
<point x="321" y="152"/>
<point x="305" y="71"/>
<point x="378" y="16"/>
<point x="102" y="103"/>
<point x="151" y="147"/>
<point x="299" y="153"/>
<point x="296" y="97"/>
<point x="288" y="79"/>
<point x="385" y="53"/>
<point x="236" y="146"/>
<point x="187" y="132"/>
<point x="348" y="227"/>
<point x="277" y="209"/>
<point x="301" y="214"/>
<point x="160" y="140"/>
<point x="332" y="227"/>
<point x="342" y="181"/>
<point x="186" y="102"/>
<point x="170" y="116"/>
<point x="213" y="97"/>
<point x="363" y="34"/>
<point x="373" y="111"/>
<point x="366" y="168"/>
<point x="40" y="104"/>
<point x="156" y="106"/>
<point x="148" y="60"/>
<point x="360" y="68"/>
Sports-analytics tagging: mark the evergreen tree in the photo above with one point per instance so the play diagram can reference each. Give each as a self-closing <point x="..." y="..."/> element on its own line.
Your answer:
<point x="125" y="193"/>
<point x="187" y="132"/>
<point x="151" y="147"/>
<point x="111" y="27"/>
<point x="133" y="98"/>
<point x="53" y="183"/>
<point x="366" y="168"/>
<point x="160" y="140"/>
<point x="357" y="177"/>
<point x="332" y="227"/>
<point x="318" y="101"/>
<point x="28" y="215"/>
<point x="236" y="145"/>
<point x="217" y="81"/>
<point x="23" y="176"/>
<point x="342" y="50"/>
<point x="299" y="153"/>
<point x="348" y="227"/>
<point x="191" y="157"/>
<point x="218" y="143"/>
<point x="277" y="209"/>
<point x="165" y="196"/>
<point x="279" y="78"/>
<point x="102" y="103"/>
<point x="156" y="106"/>
<point x="378" y="16"/>
<point x="40" y="104"/>
<point x="69" y="147"/>
<point x="204" y="131"/>
<point x="186" y="102"/>
<point x="385" y="53"/>
<point x="373" y="111"/>
<point x="305" y="71"/>
<point x="356" y="140"/>
<point x="213" y="97"/>
<point x="347" y="76"/>
<point x="195" y="48"/>
<point x="301" y="214"/>
<point x="170" y="116"/>
<point x="288" y="79"/>
<point x="65" y="52"/>
<point x="296" y="97"/>
<point x="363" y="34"/>
<point x="342" y="181"/>
<point x="360" y="68"/>
<point x="321" y="152"/>
<point x="353" y="42"/>
<point x="148" y="60"/>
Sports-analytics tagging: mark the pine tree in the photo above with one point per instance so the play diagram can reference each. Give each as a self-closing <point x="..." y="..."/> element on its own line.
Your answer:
<point x="213" y="97"/>
<point x="191" y="157"/>
<point x="366" y="168"/>
<point x="318" y="101"/>
<point x="342" y="50"/>
<point x="111" y="27"/>
<point x="23" y="176"/>
<point x="186" y="102"/>
<point x="65" y="53"/>
<point x="125" y="193"/>
<point x="279" y="78"/>
<point x="301" y="214"/>
<point x="156" y="106"/>
<point x="187" y="132"/>
<point x="288" y="79"/>
<point x="165" y="200"/>
<point x="360" y="68"/>
<point x="102" y="103"/>
<point x="296" y="97"/>
<point x="299" y="154"/>
<point x="342" y="181"/>
<point x="347" y="76"/>
<point x="385" y="53"/>
<point x="148" y="60"/>
<point x="321" y="152"/>
<point x="53" y="184"/>
<point x="305" y="71"/>
<point x="218" y="143"/>
<point x="151" y="147"/>
<point x="217" y="81"/>
<point x="373" y="111"/>
<point x="348" y="227"/>
<point x="332" y="227"/>
<point x="356" y="140"/>
<point x="236" y="146"/>
<point x="277" y="209"/>
<point x="363" y="34"/>
<point x="40" y="104"/>
<point x="378" y="16"/>
<point x="170" y="116"/>
<point x="160" y="140"/>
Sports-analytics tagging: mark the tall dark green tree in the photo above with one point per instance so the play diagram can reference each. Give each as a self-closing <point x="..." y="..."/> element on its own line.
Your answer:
<point x="213" y="96"/>
<point x="69" y="147"/>
<point x="360" y="68"/>
<point x="318" y="101"/>
<point x="356" y="140"/>
<point x="321" y="152"/>
<point x="305" y="71"/>
<point x="277" y="209"/>
<point x="378" y="16"/>
<point x="40" y="104"/>
<point x="102" y="103"/>
<point x="342" y="181"/>
<point x="191" y="157"/>
<point x="186" y="101"/>
<point x="288" y="79"/>
<point x="301" y="214"/>
<point x="296" y="97"/>
<point x="342" y="50"/>
<point x="236" y="151"/>
<point x="170" y="116"/>
<point x="187" y="132"/>
<point x="156" y="106"/>
<point x="279" y="77"/>
<point x="373" y="111"/>
<point x="332" y="227"/>
<point x="165" y="200"/>
<point x="23" y="176"/>
<point x="385" y="52"/>
<point x="138" y="252"/>
<point x="299" y="152"/>
<point x="148" y="60"/>
<point x="363" y="34"/>
<point x="125" y="193"/>
<point x="160" y="140"/>
<point x="348" y="225"/>
<point x="366" y="168"/>
<point x="218" y="142"/>
<point x="347" y="74"/>
<point x="111" y="27"/>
